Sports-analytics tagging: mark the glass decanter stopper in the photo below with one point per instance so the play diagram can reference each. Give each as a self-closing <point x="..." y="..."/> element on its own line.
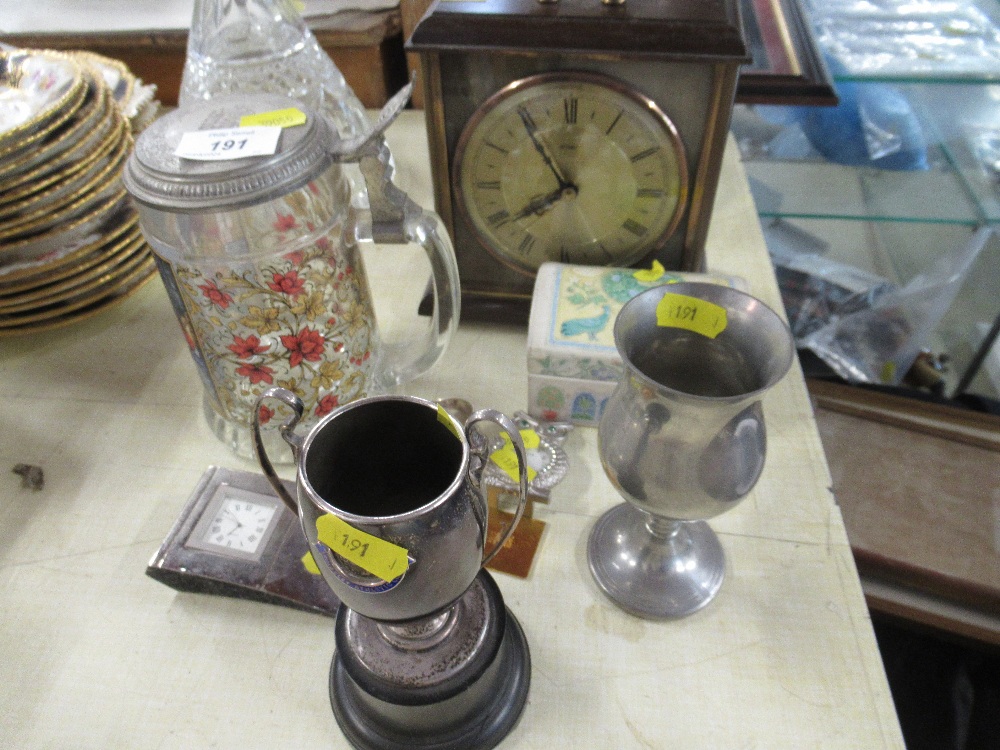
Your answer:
<point x="244" y="46"/>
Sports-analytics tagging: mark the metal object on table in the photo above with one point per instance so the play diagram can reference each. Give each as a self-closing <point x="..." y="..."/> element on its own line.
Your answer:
<point x="683" y="440"/>
<point x="388" y="489"/>
<point x="548" y="459"/>
<point x="235" y="538"/>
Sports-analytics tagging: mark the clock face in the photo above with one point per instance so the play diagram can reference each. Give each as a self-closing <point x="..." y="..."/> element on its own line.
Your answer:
<point x="239" y="524"/>
<point x="570" y="167"/>
<point x="236" y="523"/>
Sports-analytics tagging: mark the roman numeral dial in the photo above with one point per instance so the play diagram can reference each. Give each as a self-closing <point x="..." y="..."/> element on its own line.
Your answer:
<point x="572" y="167"/>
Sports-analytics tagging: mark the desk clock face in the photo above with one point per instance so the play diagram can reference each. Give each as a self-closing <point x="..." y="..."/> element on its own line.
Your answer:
<point x="236" y="523"/>
<point x="570" y="167"/>
<point x="240" y="524"/>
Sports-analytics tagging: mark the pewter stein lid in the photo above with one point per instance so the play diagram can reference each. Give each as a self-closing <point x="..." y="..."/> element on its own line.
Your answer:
<point x="157" y="177"/>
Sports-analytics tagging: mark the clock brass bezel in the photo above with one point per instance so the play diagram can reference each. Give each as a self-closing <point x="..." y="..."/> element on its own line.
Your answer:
<point x="646" y="105"/>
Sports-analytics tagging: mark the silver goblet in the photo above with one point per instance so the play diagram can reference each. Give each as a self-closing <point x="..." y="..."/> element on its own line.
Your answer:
<point x="682" y="439"/>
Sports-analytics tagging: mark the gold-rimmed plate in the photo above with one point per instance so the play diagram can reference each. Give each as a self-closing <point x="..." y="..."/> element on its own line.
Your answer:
<point x="48" y="202"/>
<point x="129" y="258"/>
<point x="77" y="308"/>
<point x="29" y="143"/>
<point x="78" y="205"/>
<point x="46" y="175"/>
<point x="67" y="238"/>
<point x="118" y="79"/>
<point x="132" y="249"/>
<point x="109" y="241"/>
<point x="39" y="90"/>
<point x="71" y="144"/>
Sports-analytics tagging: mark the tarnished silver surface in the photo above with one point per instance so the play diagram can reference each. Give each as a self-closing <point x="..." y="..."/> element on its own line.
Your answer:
<point x="463" y="692"/>
<point x="404" y="470"/>
<point x="682" y="439"/>
<point x="155" y="175"/>
<point x="548" y="459"/>
<point x="424" y="653"/>
<point x="431" y="659"/>
<point x="656" y="574"/>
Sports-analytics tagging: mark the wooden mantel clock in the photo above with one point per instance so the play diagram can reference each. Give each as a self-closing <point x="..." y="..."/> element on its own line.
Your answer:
<point x="577" y="131"/>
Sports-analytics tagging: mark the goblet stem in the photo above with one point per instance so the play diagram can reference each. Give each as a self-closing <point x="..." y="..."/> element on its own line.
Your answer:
<point x="664" y="529"/>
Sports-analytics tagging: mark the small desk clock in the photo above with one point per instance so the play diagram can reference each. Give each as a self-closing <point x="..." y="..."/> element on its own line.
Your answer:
<point x="575" y="131"/>
<point x="235" y="538"/>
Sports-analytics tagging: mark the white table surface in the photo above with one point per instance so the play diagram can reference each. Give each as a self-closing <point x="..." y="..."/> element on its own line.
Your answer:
<point x="94" y="654"/>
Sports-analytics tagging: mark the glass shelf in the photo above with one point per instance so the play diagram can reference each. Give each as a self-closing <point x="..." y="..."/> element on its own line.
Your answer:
<point x="921" y="80"/>
<point x="968" y="330"/>
<point x="959" y="125"/>
<point x="909" y="41"/>
<point x="820" y="189"/>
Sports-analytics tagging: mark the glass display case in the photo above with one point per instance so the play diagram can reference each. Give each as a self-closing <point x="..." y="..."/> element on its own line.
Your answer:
<point x="902" y="178"/>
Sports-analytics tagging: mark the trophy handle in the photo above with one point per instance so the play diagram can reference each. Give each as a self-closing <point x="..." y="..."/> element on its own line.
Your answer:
<point x="286" y="429"/>
<point x="508" y="426"/>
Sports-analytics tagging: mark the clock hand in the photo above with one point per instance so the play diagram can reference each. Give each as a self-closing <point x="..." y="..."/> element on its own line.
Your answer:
<point x="531" y="128"/>
<point x="239" y="524"/>
<point x="539" y="206"/>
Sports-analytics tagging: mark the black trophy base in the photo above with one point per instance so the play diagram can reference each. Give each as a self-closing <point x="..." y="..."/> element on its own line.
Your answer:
<point x="477" y="718"/>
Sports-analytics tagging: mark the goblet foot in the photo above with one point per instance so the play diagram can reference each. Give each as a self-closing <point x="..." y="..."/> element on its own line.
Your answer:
<point x="655" y="568"/>
<point x="474" y="709"/>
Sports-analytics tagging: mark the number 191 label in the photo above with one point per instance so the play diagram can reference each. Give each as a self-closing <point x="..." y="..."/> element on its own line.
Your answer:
<point x="228" y="143"/>
<point x="371" y="553"/>
<point x="692" y="314"/>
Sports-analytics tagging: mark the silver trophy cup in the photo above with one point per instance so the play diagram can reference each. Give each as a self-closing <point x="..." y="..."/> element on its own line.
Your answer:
<point x="682" y="439"/>
<point x="388" y="496"/>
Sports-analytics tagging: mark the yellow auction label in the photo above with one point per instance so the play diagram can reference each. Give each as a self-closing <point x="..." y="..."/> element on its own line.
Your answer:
<point x="384" y="559"/>
<point x="649" y="275"/>
<point x="279" y="118"/>
<point x="309" y="563"/>
<point x="692" y="314"/>
<point x="445" y="419"/>
<point x="506" y="457"/>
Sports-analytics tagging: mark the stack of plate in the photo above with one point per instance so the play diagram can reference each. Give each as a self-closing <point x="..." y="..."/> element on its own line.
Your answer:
<point x="70" y="244"/>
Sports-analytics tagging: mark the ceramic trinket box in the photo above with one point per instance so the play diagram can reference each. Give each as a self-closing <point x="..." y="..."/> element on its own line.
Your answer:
<point x="573" y="365"/>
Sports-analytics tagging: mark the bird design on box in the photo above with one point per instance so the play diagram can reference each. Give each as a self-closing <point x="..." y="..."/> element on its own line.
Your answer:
<point x="590" y="326"/>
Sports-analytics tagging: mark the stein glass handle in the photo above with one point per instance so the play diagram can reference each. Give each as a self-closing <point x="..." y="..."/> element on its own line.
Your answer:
<point x="508" y="426"/>
<point x="397" y="219"/>
<point x="287" y="432"/>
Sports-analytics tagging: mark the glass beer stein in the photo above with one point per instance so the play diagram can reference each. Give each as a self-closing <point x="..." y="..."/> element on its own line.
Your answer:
<point x="261" y="259"/>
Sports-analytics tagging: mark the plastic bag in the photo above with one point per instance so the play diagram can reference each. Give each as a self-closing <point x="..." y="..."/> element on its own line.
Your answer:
<point x="878" y="337"/>
<point x="874" y="124"/>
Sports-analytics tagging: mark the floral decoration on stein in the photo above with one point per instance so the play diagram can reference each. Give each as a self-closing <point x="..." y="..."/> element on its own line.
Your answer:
<point x="302" y="320"/>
